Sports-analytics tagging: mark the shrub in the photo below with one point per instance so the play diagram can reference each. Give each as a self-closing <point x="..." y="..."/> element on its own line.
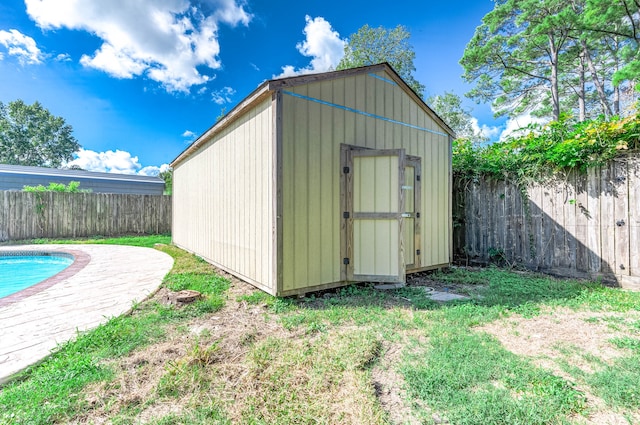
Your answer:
<point x="72" y="187"/>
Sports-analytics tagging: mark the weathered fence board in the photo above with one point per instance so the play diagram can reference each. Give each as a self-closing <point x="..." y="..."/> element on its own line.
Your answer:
<point x="25" y="215"/>
<point x="634" y="219"/>
<point x="582" y="225"/>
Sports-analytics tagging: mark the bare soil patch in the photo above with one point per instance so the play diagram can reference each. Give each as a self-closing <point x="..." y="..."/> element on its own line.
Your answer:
<point x="390" y="386"/>
<point x="549" y="336"/>
<point x="579" y="339"/>
<point x="220" y="349"/>
<point x="232" y="330"/>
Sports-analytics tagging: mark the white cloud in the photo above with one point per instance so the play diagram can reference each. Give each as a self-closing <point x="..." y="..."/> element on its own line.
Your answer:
<point x="119" y="162"/>
<point x="152" y="170"/>
<point x="63" y="57"/>
<point x="486" y="131"/>
<point x="516" y="123"/>
<point x="222" y="96"/>
<point x="189" y="136"/>
<point x="165" y="40"/>
<point x="290" y="71"/>
<point x="22" y="46"/>
<point x="322" y="44"/>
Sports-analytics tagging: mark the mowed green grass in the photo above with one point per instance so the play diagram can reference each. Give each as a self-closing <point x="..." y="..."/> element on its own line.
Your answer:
<point x="316" y="359"/>
<point x="147" y="241"/>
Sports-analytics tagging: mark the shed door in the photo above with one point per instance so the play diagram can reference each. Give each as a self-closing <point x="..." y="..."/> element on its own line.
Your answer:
<point x="375" y="203"/>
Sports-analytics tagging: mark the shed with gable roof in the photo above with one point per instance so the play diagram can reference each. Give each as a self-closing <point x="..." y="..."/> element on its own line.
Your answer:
<point x="317" y="181"/>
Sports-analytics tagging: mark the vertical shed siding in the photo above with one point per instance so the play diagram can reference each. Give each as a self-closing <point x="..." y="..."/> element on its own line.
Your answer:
<point x="312" y="134"/>
<point x="222" y="199"/>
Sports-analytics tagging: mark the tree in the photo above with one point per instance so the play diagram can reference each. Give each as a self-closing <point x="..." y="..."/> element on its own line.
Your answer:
<point x="617" y="19"/>
<point x="31" y="135"/>
<point x="370" y="46"/>
<point x="167" y="176"/>
<point x="548" y="57"/>
<point x="514" y="55"/>
<point x="449" y="107"/>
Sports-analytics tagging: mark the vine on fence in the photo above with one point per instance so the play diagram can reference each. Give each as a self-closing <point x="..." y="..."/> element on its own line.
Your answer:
<point x="546" y="152"/>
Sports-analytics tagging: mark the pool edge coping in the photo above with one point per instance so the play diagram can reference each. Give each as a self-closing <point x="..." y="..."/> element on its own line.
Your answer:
<point x="80" y="260"/>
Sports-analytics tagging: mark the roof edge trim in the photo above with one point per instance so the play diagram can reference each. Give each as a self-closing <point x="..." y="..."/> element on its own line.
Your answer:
<point x="274" y="85"/>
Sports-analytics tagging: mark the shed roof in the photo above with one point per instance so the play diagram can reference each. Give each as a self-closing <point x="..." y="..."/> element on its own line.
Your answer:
<point x="269" y="86"/>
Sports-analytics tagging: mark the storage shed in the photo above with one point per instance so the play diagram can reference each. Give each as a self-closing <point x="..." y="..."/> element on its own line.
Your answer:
<point x="316" y="181"/>
<point x="15" y="177"/>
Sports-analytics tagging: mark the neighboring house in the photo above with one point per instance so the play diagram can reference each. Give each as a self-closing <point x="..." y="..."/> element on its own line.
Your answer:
<point x="317" y="181"/>
<point x="15" y="177"/>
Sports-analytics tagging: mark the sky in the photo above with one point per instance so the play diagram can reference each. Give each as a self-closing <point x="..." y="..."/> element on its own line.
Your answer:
<point x="139" y="80"/>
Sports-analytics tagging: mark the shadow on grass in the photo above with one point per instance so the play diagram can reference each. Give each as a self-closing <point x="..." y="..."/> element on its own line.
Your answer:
<point x="493" y="293"/>
<point x="488" y="287"/>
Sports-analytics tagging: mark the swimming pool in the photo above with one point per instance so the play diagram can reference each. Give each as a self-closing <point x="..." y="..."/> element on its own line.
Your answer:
<point x="20" y="270"/>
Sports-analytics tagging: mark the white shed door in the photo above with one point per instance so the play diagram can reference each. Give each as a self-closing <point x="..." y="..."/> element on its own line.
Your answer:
<point x="375" y="202"/>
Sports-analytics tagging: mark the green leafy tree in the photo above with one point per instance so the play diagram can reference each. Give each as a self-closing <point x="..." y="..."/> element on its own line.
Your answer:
<point x="31" y="135"/>
<point x="167" y="176"/>
<point x="449" y="107"/>
<point x="369" y="46"/>
<point x="514" y="56"/>
<point x="604" y="53"/>
<point x="75" y="167"/>
<point x="617" y="18"/>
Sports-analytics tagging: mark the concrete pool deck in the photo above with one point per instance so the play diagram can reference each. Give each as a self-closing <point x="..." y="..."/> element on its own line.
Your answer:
<point x="104" y="282"/>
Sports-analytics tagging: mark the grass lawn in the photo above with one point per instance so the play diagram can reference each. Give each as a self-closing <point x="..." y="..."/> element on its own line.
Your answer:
<point x="148" y="241"/>
<point x="524" y="349"/>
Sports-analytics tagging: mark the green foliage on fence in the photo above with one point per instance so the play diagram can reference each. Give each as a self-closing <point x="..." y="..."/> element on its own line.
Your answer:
<point x="72" y="187"/>
<point x="546" y="150"/>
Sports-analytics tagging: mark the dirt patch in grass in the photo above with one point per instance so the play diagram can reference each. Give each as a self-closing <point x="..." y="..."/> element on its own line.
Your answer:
<point x="390" y="387"/>
<point x="244" y="361"/>
<point x="562" y="339"/>
<point x="137" y="377"/>
<point x="555" y="335"/>
<point x="141" y="389"/>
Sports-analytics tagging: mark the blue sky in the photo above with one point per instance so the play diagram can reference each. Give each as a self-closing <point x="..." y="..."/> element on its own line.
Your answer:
<point x="138" y="80"/>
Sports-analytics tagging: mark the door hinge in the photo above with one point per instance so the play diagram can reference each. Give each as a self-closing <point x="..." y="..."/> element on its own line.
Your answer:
<point x="345" y="214"/>
<point x="345" y="261"/>
<point x="417" y="252"/>
<point x="418" y="177"/>
<point x="345" y="170"/>
<point x="417" y="215"/>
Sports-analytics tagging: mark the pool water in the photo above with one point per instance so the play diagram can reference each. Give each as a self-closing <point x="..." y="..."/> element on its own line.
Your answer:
<point x="18" y="272"/>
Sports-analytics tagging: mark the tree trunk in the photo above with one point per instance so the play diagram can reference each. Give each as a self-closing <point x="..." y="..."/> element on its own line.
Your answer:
<point x="596" y="81"/>
<point x="555" y="95"/>
<point x="616" y="89"/>
<point x="582" y="110"/>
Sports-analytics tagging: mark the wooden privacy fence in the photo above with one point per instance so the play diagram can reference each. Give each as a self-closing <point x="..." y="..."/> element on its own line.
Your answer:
<point x="581" y="225"/>
<point x="25" y="215"/>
